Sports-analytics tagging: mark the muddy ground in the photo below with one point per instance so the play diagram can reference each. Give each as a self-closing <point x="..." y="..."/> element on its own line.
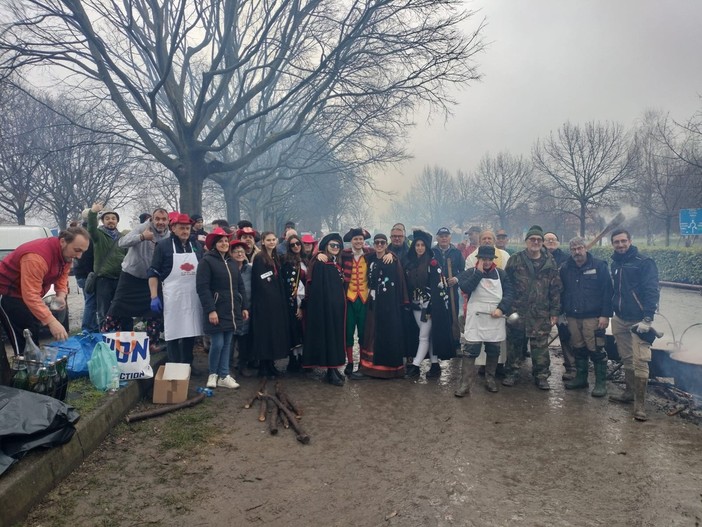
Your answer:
<point x="400" y="452"/>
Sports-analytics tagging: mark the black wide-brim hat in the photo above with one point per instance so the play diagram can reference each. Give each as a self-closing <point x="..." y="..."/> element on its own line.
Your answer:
<point x="422" y="235"/>
<point x="356" y="232"/>
<point x="328" y="238"/>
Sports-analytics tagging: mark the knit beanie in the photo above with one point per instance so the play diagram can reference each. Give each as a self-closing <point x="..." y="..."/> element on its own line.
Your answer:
<point x="535" y="230"/>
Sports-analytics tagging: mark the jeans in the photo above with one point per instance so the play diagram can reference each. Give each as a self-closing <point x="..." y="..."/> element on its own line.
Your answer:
<point x="220" y="351"/>
<point x="104" y="293"/>
<point x="89" y="322"/>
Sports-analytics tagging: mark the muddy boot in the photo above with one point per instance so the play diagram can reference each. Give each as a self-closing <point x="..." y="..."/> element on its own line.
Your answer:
<point x="627" y="396"/>
<point x="600" y="379"/>
<point x="640" y="385"/>
<point x="581" y="370"/>
<point x="467" y="366"/>
<point x="348" y="370"/>
<point x="490" y="369"/>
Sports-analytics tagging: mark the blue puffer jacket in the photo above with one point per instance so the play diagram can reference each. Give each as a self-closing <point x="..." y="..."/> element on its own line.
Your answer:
<point x="635" y="282"/>
<point x="587" y="290"/>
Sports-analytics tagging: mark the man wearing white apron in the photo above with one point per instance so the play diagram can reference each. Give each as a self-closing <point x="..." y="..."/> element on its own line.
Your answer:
<point x="490" y="298"/>
<point x="174" y="265"/>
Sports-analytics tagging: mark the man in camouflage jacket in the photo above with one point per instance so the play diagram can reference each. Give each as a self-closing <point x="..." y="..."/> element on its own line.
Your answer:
<point x="537" y="288"/>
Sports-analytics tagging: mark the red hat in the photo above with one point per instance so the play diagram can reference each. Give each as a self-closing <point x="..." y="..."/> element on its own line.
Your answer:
<point x="246" y="230"/>
<point x="237" y="243"/>
<point x="178" y="217"/>
<point x="308" y="238"/>
<point x="214" y="236"/>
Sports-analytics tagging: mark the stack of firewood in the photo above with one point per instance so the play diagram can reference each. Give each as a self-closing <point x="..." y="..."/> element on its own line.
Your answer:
<point x="279" y="410"/>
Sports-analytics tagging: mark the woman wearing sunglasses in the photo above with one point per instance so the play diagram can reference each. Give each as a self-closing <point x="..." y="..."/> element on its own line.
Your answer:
<point x="384" y="348"/>
<point x="325" y="304"/>
<point x="294" y="274"/>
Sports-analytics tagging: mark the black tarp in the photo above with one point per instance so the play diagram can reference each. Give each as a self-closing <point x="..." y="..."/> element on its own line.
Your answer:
<point x="29" y="420"/>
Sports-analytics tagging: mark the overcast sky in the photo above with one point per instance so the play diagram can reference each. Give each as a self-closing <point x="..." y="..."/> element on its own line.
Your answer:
<point x="549" y="61"/>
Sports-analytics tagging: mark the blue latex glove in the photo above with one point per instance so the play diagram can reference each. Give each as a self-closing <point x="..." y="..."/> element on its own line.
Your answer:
<point x="156" y="305"/>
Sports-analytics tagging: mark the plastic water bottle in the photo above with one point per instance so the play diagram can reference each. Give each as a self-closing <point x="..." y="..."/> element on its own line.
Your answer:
<point x="114" y="380"/>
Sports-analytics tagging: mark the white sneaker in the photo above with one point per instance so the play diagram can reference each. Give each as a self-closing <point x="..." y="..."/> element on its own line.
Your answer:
<point x="227" y="382"/>
<point x="212" y="380"/>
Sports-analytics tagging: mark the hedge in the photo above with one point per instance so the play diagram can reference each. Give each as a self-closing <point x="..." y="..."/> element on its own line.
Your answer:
<point x="680" y="264"/>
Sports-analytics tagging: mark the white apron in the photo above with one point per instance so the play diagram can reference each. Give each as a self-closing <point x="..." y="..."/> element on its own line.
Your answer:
<point x="483" y="328"/>
<point x="182" y="311"/>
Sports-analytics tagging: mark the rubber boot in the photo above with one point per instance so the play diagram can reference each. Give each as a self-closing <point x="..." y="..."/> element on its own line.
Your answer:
<point x="627" y="396"/>
<point x="581" y="370"/>
<point x="467" y="366"/>
<point x="640" y="385"/>
<point x="600" y="379"/>
<point x="490" y="369"/>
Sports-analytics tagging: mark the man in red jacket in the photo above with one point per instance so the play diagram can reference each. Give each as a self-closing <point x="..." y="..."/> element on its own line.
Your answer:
<point x="27" y="273"/>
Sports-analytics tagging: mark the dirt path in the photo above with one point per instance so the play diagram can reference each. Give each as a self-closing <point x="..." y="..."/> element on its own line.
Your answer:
<point x="392" y="453"/>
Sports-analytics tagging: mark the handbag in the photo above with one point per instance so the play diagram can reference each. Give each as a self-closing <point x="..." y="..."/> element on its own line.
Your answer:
<point x="91" y="279"/>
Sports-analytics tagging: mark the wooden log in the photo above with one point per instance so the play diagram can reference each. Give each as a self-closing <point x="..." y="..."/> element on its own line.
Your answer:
<point x="285" y="399"/>
<point x="165" y="409"/>
<point x="259" y="390"/>
<point x="273" y="417"/>
<point x="262" y="409"/>
<point x="616" y="221"/>
<point x="283" y="419"/>
<point x="301" y="435"/>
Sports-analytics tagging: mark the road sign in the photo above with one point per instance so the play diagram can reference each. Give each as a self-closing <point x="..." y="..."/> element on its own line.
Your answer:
<point x="690" y="222"/>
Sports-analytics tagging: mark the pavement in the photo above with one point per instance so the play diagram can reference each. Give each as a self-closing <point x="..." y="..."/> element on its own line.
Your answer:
<point x="27" y="482"/>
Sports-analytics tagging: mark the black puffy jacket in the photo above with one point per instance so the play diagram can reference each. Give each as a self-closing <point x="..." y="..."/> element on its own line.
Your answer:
<point x="587" y="290"/>
<point x="221" y="289"/>
<point x="635" y="282"/>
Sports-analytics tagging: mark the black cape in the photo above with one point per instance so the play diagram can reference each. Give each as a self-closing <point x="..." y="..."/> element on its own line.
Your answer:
<point x="293" y="275"/>
<point x="441" y="336"/>
<point x="270" y="322"/>
<point x="325" y="317"/>
<point x="384" y="348"/>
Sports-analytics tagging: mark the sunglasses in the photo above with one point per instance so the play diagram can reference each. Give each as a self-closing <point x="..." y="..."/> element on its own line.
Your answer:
<point x="380" y="242"/>
<point x="334" y="245"/>
<point x="295" y="244"/>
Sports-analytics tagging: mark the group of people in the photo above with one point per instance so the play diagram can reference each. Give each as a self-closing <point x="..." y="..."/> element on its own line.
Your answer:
<point x="311" y="300"/>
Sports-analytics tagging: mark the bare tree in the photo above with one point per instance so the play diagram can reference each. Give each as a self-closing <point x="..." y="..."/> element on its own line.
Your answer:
<point x="431" y="201"/>
<point x="585" y="165"/>
<point x="666" y="182"/>
<point x="502" y="185"/>
<point x="191" y="78"/>
<point x="24" y="127"/>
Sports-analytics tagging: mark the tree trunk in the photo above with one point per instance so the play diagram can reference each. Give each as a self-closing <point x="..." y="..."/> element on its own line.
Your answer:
<point x="668" y="227"/>
<point x="21" y="218"/>
<point x="231" y="198"/>
<point x="583" y="219"/>
<point x="190" y="177"/>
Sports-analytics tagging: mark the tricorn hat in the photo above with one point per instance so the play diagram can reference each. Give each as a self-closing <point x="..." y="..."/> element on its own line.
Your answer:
<point x="358" y="231"/>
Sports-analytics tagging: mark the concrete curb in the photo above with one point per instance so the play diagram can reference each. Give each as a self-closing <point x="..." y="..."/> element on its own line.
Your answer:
<point x="26" y="483"/>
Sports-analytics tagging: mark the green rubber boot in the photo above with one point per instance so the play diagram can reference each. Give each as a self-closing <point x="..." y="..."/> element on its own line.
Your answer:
<point x="580" y="381"/>
<point x="600" y="379"/>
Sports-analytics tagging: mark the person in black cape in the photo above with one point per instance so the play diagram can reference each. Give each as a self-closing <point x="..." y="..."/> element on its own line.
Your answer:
<point x="384" y="348"/>
<point x="325" y="312"/>
<point x="294" y="273"/>
<point x="428" y="290"/>
<point x="270" y="323"/>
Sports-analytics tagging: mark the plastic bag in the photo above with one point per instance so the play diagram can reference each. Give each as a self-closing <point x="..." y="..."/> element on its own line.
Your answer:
<point x="132" y="351"/>
<point x="101" y="365"/>
<point x="79" y="349"/>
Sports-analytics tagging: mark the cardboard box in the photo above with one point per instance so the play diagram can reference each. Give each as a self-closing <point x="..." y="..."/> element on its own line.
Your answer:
<point x="171" y="391"/>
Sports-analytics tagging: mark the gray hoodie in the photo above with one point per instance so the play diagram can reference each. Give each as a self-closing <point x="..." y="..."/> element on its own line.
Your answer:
<point x="140" y="253"/>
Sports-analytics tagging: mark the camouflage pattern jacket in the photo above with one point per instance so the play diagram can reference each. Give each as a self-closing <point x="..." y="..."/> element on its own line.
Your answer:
<point x="536" y="291"/>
